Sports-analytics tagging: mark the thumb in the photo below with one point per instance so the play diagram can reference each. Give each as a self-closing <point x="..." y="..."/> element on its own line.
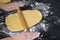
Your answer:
<point x="33" y="35"/>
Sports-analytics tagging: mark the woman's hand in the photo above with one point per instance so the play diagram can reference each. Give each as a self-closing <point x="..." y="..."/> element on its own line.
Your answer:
<point x="11" y="6"/>
<point x="24" y="36"/>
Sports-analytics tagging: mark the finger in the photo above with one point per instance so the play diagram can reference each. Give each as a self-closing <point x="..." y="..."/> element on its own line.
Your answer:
<point x="8" y="38"/>
<point x="19" y="4"/>
<point x="26" y="36"/>
<point x="32" y="35"/>
<point x="12" y="6"/>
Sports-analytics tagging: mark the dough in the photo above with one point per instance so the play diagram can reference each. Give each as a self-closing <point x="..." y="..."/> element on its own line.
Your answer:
<point x="5" y="1"/>
<point x="32" y="17"/>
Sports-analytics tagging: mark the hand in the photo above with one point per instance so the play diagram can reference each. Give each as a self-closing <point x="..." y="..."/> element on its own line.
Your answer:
<point x="24" y="36"/>
<point x="11" y="6"/>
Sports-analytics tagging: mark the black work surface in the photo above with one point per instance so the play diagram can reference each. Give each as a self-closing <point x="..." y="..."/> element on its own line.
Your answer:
<point x="53" y="32"/>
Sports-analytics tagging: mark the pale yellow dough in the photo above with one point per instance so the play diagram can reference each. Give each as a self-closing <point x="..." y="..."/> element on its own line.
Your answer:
<point x="5" y="1"/>
<point x="32" y="17"/>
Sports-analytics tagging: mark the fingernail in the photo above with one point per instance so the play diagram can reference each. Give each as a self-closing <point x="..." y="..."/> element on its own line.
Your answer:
<point x="38" y="34"/>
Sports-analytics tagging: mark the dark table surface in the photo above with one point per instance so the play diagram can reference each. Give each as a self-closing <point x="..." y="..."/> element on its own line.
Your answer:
<point x="54" y="30"/>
